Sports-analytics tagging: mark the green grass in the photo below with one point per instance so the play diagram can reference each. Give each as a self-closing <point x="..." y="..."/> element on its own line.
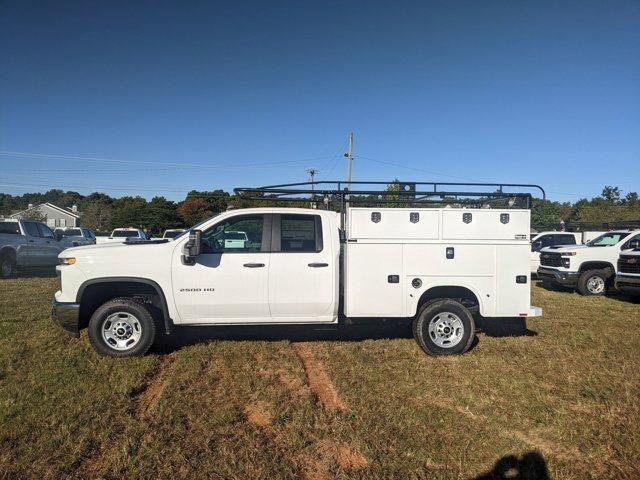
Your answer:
<point x="243" y="409"/>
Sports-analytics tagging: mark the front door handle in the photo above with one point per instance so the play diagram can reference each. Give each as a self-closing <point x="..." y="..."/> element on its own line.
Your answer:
<point x="318" y="265"/>
<point x="253" y="265"/>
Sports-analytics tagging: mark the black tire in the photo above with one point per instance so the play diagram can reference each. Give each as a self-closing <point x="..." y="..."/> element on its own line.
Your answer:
<point x="436" y="313"/>
<point x="126" y="308"/>
<point x="7" y="266"/>
<point x="593" y="282"/>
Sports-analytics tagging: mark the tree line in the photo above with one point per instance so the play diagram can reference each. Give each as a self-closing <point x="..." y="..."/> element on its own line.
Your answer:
<point x="102" y="212"/>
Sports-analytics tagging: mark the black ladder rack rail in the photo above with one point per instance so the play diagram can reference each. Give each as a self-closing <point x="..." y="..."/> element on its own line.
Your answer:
<point x="327" y="191"/>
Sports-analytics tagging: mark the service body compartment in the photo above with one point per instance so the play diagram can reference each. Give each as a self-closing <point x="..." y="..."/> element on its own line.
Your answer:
<point x="485" y="252"/>
<point x="369" y="290"/>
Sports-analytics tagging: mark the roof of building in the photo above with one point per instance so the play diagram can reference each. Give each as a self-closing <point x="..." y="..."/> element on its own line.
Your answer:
<point x="66" y="210"/>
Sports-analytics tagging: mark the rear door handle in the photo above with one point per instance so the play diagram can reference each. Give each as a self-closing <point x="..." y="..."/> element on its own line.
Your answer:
<point x="318" y="265"/>
<point x="253" y="265"/>
<point x="31" y="241"/>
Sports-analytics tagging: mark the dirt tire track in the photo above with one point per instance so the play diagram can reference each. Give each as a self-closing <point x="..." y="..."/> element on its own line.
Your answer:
<point x="318" y="379"/>
<point x="95" y="463"/>
<point x="148" y="396"/>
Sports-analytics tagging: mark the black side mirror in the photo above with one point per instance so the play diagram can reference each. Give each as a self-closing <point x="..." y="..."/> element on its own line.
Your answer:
<point x="57" y="236"/>
<point x="192" y="247"/>
<point x="535" y="246"/>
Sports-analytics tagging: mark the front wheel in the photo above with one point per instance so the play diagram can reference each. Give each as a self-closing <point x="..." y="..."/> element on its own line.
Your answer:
<point x="444" y="327"/>
<point x="593" y="282"/>
<point x="122" y="327"/>
<point x="7" y="266"/>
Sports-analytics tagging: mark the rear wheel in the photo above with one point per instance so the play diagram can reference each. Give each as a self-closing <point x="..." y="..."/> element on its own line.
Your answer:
<point x="122" y="327"/>
<point x="7" y="266"/>
<point x="593" y="282"/>
<point x="444" y="327"/>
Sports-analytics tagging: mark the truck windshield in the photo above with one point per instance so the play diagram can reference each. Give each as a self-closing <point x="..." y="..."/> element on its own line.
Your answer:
<point x="607" y="239"/>
<point x="125" y="233"/>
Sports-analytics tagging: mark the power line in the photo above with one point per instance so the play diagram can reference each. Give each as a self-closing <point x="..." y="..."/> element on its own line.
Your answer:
<point x="140" y="162"/>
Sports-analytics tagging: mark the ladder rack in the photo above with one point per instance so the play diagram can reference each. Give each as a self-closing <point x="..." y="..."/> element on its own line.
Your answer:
<point x="412" y="193"/>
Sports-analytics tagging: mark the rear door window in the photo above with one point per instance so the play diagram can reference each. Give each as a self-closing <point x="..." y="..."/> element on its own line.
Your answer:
<point x="300" y="233"/>
<point x="45" y="231"/>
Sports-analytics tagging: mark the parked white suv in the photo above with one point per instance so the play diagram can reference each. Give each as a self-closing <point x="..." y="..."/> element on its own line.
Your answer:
<point x="589" y="268"/>
<point x="301" y="266"/>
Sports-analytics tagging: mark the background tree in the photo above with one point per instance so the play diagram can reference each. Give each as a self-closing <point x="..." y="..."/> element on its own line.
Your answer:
<point x="611" y="194"/>
<point x="194" y="210"/>
<point x="98" y="216"/>
<point x="161" y="214"/>
<point x="129" y="212"/>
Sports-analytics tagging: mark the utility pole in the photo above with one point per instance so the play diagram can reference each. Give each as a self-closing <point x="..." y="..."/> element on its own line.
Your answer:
<point x="312" y="175"/>
<point x="349" y="156"/>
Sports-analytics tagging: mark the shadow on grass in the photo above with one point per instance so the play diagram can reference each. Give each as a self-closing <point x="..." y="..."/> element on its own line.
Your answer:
<point x="190" y="335"/>
<point x="611" y="293"/>
<point x="49" y="272"/>
<point x="530" y="466"/>
<point x="355" y="331"/>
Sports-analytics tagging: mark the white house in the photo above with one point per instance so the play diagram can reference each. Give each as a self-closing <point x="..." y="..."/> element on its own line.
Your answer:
<point x="53" y="215"/>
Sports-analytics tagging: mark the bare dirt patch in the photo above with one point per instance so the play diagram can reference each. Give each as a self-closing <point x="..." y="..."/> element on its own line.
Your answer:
<point x="327" y="455"/>
<point x="150" y="393"/>
<point x="318" y="379"/>
<point x="258" y="414"/>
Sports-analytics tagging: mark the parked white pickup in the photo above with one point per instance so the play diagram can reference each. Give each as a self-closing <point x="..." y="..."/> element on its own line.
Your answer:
<point x="628" y="275"/>
<point x="298" y="266"/>
<point x="589" y="268"/>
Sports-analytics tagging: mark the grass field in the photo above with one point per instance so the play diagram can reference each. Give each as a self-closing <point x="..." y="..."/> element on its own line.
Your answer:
<point x="560" y="396"/>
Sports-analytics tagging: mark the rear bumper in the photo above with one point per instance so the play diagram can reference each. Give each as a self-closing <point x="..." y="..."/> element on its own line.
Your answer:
<point x="67" y="316"/>
<point x="561" y="277"/>
<point x="628" y="283"/>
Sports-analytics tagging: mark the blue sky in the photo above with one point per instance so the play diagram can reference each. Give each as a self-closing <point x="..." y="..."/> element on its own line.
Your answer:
<point x="163" y="97"/>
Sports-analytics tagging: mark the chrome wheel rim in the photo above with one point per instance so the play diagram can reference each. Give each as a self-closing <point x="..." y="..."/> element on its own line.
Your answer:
<point x="446" y="329"/>
<point x="121" y="331"/>
<point x="595" y="285"/>
<point x="6" y="268"/>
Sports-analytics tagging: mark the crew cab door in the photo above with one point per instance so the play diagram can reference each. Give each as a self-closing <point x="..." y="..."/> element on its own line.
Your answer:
<point x="229" y="281"/>
<point x="36" y="251"/>
<point x="302" y="272"/>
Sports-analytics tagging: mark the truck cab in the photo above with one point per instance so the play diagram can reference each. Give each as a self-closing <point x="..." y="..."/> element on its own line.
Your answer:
<point x="588" y="268"/>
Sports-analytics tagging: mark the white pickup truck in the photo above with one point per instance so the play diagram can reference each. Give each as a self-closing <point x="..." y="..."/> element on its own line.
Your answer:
<point x="589" y="268"/>
<point x="437" y="266"/>
<point x="628" y="276"/>
<point x="119" y="235"/>
<point x="551" y="239"/>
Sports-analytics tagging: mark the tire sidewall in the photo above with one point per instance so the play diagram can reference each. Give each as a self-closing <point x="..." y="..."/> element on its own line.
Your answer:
<point x="584" y="279"/>
<point x="421" y="327"/>
<point x="4" y="260"/>
<point x="137" y="309"/>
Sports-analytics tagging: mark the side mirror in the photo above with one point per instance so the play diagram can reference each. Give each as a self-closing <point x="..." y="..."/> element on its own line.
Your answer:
<point x="57" y="236"/>
<point x="535" y="246"/>
<point x="192" y="247"/>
